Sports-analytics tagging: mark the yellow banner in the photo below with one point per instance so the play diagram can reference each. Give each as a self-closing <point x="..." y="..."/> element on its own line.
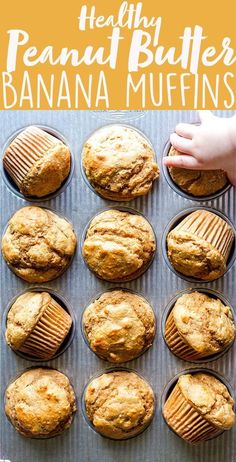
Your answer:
<point x="113" y="54"/>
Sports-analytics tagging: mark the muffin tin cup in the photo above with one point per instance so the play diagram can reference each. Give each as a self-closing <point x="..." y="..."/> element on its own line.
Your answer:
<point x="64" y="304"/>
<point x="41" y="366"/>
<point x="107" y="371"/>
<point x="142" y="270"/>
<point x="84" y="176"/>
<point x="11" y="185"/>
<point x="174" y="186"/>
<point x="118" y="116"/>
<point x="96" y="297"/>
<point x="175" y="221"/>
<point x="171" y="384"/>
<point x="210" y="292"/>
<point x="56" y="213"/>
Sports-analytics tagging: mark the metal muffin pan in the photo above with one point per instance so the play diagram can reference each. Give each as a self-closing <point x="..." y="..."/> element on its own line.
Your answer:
<point x="78" y="285"/>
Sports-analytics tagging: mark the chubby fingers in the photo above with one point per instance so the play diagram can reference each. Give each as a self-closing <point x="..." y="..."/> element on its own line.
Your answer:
<point x="182" y="161"/>
<point x="186" y="130"/>
<point x="181" y="144"/>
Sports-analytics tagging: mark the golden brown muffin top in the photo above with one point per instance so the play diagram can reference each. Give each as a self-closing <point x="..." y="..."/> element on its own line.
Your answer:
<point x="119" y="404"/>
<point x="38" y="244"/>
<point x="40" y="403"/>
<point x="23" y="316"/>
<point x="48" y="173"/>
<point x="197" y="182"/>
<point x="204" y="322"/>
<point x="118" y="245"/>
<point x="119" y="163"/>
<point x="119" y="325"/>
<point x="209" y="397"/>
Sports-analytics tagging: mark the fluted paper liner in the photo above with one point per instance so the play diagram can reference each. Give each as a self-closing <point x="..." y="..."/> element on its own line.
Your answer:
<point x="186" y="421"/>
<point x="210" y="227"/>
<point x="177" y="344"/>
<point x="49" y="332"/>
<point x="25" y="150"/>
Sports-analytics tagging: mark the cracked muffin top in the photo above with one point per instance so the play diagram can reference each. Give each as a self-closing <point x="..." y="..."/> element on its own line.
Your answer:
<point x="119" y="245"/>
<point x="204" y="322"/>
<point x="197" y="182"/>
<point x="119" y="404"/>
<point x="40" y="403"/>
<point x="209" y="397"/>
<point x="38" y="244"/>
<point x="119" y="325"/>
<point x="119" y="163"/>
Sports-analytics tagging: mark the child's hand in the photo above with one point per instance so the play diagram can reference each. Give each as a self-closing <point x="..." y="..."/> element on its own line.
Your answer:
<point x="209" y="146"/>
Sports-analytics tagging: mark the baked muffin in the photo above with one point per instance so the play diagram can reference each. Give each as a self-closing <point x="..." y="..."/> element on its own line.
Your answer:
<point x="198" y="183"/>
<point x="40" y="403"/>
<point x="37" y="325"/>
<point x="199" y="407"/>
<point x="119" y="246"/>
<point x="37" y="162"/>
<point x="199" y="246"/>
<point x="119" y="163"/>
<point x="119" y="326"/>
<point x="119" y="404"/>
<point x="199" y="326"/>
<point x="38" y="244"/>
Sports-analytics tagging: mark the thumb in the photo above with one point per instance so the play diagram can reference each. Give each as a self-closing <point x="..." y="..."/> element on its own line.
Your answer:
<point x="205" y="116"/>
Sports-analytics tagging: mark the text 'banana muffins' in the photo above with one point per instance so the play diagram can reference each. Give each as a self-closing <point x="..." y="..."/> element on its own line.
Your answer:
<point x="199" y="246"/>
<point x="199" y="326"/>
<point x="119" y="163"/>
<point x="38" y="244"/>
<point x="119" y="245"/>
<point x="119" y="325"/>
<point x="199" y="408"/>
<point x="119" y="404"/>
<point x="37" y="325"/>
<point x="37" y="161"/>
<point x="197" y="182"/>
<point x="40" y="403"/>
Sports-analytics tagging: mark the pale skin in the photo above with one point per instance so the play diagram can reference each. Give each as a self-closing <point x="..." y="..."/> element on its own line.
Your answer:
<point x="208" y="146"/>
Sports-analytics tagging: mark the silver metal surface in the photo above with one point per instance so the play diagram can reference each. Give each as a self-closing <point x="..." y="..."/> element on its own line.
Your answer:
<point x="78" y="285"/>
